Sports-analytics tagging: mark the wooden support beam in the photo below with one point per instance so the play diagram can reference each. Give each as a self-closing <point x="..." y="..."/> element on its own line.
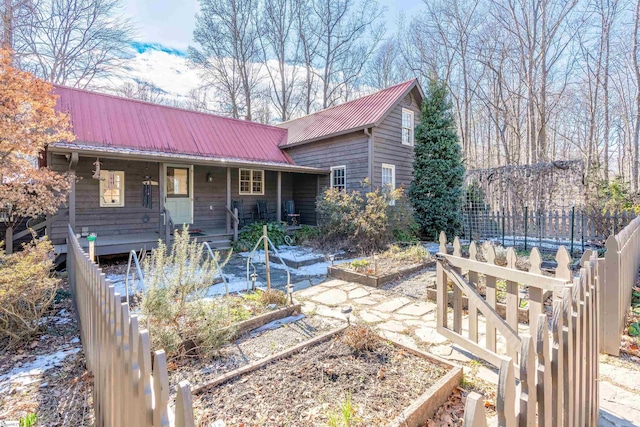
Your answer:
<point x="228" y="200"/>
<point x="279" y="198"/>
<point x="73" y="163"/>
<point x="162" y="182"/>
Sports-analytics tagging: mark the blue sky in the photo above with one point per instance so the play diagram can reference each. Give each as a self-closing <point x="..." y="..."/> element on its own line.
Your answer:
<point x="171" y="22"/>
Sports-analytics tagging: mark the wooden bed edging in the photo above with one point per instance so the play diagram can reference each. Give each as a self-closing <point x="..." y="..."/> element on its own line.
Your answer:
<point x="262" y="362"/>
<point x="435" y="396"/>
<point x="245" y="326"/>
<point x="375" y="281"/>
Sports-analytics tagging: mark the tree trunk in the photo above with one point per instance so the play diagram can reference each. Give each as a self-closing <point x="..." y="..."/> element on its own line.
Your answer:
<point x="636" y="133"/>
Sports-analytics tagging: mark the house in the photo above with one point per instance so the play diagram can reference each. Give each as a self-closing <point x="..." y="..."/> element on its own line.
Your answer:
<point x="369" y="137"/>
<point x="143" y="168"/>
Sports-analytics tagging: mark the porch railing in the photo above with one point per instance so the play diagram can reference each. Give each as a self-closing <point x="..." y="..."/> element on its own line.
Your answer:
<point x="128" y="390"/>
<point x="234" y="221"/>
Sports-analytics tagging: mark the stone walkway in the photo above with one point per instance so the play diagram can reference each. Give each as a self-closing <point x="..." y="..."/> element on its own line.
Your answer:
<point x="412" y="321"/>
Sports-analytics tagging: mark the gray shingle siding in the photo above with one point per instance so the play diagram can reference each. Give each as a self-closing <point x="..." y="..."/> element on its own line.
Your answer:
<point x="388" y="147"/>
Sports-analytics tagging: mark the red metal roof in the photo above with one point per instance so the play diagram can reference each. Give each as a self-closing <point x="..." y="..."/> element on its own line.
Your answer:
<point x="108" y="121"/>
<point x="354" y="115"/>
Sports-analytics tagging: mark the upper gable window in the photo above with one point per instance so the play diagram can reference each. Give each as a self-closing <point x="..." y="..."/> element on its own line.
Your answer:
<point x="407" y="127"/>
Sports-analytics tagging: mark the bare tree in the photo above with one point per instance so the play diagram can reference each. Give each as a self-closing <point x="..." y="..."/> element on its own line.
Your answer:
<point x="636" y="68"/>
<point x="228" y="34"/>
<point x="73" y="42"/>
<point x="281" y="47"/>
<point x="143" y="91"/>
<point x="386" y="66"/>
<point x="348" y="33"/>
<point x="15" y="13"/>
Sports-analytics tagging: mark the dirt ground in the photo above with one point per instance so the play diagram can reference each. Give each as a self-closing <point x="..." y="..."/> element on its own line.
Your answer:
<point x="327" y="384"/>
<point x="247" y="349"/>
<point x="47" y="376"/>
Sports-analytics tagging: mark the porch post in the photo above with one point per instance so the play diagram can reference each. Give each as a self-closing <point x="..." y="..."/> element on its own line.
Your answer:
<point x="73" y="162"/>
<point x="228" y="200"/>
<point x="279" y="198"/>
<point x="161" y="193"/>
<point x="317" y="194"/>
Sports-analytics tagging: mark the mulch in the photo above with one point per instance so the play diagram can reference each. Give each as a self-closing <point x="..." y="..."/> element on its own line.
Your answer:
<point x="311" y="387"/>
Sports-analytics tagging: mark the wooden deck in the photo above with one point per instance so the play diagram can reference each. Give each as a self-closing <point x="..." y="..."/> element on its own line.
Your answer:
<point x="123" y="243"/>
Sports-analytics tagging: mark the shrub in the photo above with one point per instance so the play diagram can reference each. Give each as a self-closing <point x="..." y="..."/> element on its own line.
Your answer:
<point x="249" y="235"/>
<point x="27" y="290"/>
<point x="413" y="253"/>
<point x="365" y="222"/>
<point x="609" y="197"/>
<point x="360" y="338"/>
<point x="272" y="296"/>
<point x="172" y="304"/>
<point x="305" y="234"/>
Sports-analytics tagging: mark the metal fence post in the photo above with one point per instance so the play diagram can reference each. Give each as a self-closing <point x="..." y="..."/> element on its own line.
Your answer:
<point x="503" y="214"/>
<point x="573" y="219"/>
<point x="526" y="224"/>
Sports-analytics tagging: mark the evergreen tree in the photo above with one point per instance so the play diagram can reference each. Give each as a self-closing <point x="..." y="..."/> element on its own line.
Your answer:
<point x="438" y="171"/>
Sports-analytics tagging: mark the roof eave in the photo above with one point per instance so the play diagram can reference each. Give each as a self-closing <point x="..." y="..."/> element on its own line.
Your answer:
<point x="400" y="98"/>
<point x="133" y="154"/>
<point x="331" y="135"/>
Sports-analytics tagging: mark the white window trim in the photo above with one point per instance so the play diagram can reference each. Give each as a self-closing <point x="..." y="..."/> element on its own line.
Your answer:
<point x="104" y="203"/>
<point x="393" y="174"/>
<point x="250" y="192"/>
<point x="393" y="178"/>
<point x="333" y="168"/>
<point x="411" y="129"/>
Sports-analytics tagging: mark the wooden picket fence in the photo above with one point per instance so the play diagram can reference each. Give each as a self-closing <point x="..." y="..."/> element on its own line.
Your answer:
<point x="128" y="389"/>
<point x="557" y="366"/>
<point x="621" y="264"/>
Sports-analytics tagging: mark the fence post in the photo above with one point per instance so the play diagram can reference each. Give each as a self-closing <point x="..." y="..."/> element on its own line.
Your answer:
<point x="610" y="303"/>
<point x="8" y="242"/>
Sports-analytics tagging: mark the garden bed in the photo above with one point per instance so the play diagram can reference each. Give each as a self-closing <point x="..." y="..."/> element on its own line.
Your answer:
<point x="324" y="381"/>
<point x="378" y="270"/>
<point x="376" y="281"/>
<point x="296" y="257"/>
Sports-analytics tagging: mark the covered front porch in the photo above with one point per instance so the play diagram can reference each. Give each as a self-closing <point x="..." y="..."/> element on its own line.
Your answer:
<point x="131" y="203"/>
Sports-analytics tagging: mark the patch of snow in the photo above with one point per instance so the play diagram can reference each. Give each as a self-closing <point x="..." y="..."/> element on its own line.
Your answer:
<point x="31" y="372"/>
<point x="61" y="320"/>
<point x="311" y="270"/>
<point x="433" y="248"/>
<point x="236" y="284"/>
<point x="277" y="323"/>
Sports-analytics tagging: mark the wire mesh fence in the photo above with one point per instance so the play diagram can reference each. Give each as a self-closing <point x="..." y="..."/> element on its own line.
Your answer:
<point x="575" y="228"/>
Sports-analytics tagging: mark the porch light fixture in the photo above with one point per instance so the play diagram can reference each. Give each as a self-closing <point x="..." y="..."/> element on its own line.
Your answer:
<point x="209" y="177"/>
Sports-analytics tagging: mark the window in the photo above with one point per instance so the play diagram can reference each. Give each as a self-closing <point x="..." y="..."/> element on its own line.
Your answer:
<point x="251" y="181"/>
<point x="111" y="189"/>
<point x="177" y="182"/>
<point x="389" y="178"/>
<point x="407" y="127"/>
<point x="339" y="177"/>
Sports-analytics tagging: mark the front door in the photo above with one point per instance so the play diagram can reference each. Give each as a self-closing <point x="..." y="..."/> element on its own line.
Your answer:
<point x="179" y="197"/>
